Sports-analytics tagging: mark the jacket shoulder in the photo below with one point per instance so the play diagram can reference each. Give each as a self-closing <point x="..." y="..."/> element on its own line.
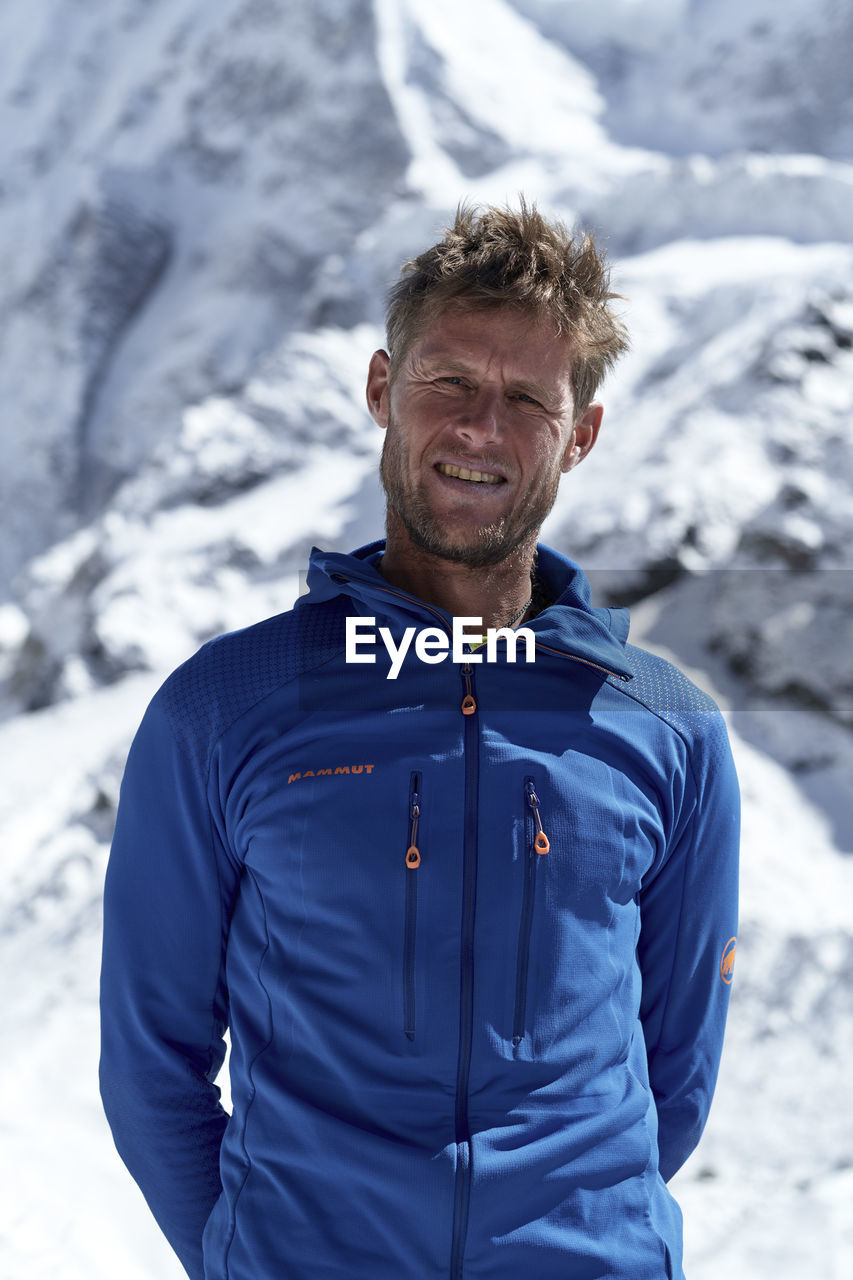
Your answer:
<point x="667" y="692"/>
<point x="233" y="672"/>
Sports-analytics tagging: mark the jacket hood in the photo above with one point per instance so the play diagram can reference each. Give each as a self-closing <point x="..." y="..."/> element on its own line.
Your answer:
<point x="570" y="626"/>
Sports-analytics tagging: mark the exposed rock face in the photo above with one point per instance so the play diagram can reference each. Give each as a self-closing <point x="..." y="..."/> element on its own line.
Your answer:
<point x="175" y="177"/>
<point x="715" y="76"/>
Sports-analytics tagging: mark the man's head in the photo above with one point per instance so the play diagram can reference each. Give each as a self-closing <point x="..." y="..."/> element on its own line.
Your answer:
<point x="495" y="257"/>
<point x="498" y="337"/>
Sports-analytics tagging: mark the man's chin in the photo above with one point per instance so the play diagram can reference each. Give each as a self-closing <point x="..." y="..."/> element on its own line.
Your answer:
<point x="471" y="557"/>
<point x="488" y="547"/>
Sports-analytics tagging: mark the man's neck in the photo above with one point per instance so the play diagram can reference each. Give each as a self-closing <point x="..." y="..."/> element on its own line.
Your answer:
<point x="496" y="593"/>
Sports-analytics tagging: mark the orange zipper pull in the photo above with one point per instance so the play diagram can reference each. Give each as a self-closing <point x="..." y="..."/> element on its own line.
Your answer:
<point x="469" y="706"/>
<point x="541" y="843"/>
<point x="413" y="857"/>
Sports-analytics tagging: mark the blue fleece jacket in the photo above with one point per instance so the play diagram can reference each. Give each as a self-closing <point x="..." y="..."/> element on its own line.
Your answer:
<point x="471" y="930"/>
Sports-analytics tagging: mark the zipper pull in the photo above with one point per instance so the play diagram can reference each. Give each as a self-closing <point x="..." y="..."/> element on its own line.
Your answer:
<point x="469" y="706"/>
<point x="541" y="844"/>
<point x="413" y="857"/>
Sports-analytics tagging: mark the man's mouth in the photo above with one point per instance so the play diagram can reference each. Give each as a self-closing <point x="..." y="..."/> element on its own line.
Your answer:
<point x="462" y="473"/>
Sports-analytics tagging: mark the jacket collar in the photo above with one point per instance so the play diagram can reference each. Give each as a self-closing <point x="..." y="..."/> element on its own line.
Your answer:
<point x="571" y="626"/>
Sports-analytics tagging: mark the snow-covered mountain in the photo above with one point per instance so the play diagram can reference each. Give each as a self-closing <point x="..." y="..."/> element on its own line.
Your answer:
<point x="200" y="209"/>
<point x="715" y="76"/>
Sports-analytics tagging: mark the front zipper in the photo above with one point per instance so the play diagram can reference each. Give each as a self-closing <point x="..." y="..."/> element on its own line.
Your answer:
<point x="534" y="847"/>
<point x="412" y="864"/>
<point x="466" y="974"/>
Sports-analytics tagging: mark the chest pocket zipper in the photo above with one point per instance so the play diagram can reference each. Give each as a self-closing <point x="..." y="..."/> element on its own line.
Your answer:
<point x="412" y="867"/>
<point x="535" y="846"/>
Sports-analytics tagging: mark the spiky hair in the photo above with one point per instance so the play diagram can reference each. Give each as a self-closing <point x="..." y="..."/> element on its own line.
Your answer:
<point x="501" y="257"/>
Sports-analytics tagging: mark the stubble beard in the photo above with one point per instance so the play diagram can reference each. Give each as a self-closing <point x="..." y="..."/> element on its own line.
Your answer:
<point x="490" y="544"/>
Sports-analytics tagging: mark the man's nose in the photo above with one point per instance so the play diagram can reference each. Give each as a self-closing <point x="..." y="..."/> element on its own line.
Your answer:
<point x="481" y="418"/>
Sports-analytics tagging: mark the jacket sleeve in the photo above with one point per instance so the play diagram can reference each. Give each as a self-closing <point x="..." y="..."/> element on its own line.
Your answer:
<point x="686" y="948"/>
<point x="168" y="891"/>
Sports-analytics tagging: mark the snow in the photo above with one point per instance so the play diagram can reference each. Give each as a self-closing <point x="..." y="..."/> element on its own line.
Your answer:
<point x="715" y="76"/>
<point x="201" y="207"/>
<point x="640" y="24"/>
<point x="67" y="1214"/>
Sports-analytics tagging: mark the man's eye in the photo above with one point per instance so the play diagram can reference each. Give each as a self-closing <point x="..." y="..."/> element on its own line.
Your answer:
<point x="453" y="379"/>
<point x="526" y="399"/>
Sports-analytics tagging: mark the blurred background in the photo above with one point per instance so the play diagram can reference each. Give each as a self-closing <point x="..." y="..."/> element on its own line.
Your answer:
<point x="201" y="207"/>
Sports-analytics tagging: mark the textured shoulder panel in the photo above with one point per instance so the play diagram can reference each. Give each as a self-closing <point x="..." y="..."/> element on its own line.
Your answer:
<point x="666" y="691"/>
<point x="232" y="673"/>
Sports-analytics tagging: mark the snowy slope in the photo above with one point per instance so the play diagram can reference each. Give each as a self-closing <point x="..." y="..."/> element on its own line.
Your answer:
<point x="150" y="255"/>
<point x="715" y="76"/>
<point x="200" y="209"/>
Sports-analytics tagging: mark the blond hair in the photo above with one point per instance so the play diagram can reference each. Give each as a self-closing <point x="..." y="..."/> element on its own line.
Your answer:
<point x="493" y="257"/>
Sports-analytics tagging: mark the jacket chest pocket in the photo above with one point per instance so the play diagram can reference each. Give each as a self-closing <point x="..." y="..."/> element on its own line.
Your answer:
<point x="536" y="846"/>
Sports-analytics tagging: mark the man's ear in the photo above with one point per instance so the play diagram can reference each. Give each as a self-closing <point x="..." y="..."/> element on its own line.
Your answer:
<point x="379" y="387"/>
<point x="583" y="437"/>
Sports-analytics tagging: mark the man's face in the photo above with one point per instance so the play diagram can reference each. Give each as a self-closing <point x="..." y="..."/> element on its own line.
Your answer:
<point x="480" y="426"/>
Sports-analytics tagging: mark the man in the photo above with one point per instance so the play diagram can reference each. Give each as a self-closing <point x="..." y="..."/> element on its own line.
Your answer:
<point x="472" y="926"/>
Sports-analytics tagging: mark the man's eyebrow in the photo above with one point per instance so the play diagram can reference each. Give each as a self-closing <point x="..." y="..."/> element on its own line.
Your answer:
<point x="452" y="364"/>
<point x="529" y="386"/>
<point x="551" y="397"/>
<point x="443" y="359"/>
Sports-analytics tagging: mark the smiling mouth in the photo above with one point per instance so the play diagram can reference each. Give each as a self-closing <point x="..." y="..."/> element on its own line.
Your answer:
<point x="462" y="473"/>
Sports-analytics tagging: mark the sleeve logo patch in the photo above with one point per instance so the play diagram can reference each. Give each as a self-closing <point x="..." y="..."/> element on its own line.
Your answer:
<point x="727" y="961"/>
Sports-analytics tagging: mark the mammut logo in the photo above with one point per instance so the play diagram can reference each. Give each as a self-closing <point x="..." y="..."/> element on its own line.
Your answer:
<point x="727" y="961"/>
<point x="330" y="772"/>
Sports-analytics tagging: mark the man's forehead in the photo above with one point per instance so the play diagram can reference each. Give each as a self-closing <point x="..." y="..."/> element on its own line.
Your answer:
<point x="517" y="338"/>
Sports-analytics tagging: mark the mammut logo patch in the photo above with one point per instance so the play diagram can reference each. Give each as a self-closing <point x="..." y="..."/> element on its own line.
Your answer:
<point x="727" y="961"/>
<point x="331" y="771"/>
